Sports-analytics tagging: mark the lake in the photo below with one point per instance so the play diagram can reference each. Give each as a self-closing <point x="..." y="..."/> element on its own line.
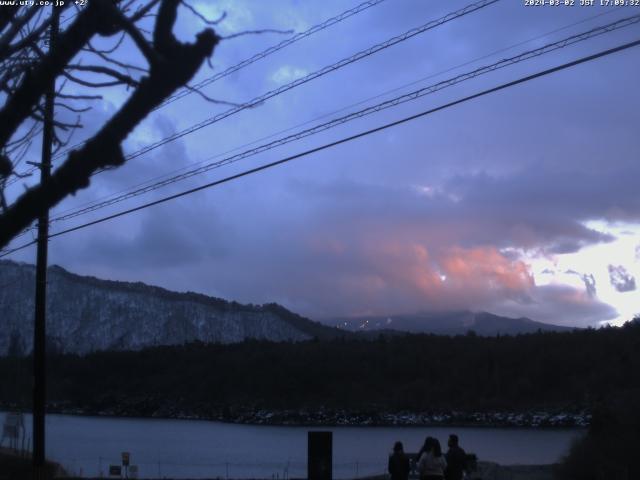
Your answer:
<point x="203" y="449"/>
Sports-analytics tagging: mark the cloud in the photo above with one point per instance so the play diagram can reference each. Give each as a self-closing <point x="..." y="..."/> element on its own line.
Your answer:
<point x="177" y="236"/>
<point x="287" y="73"/>
<point x="590" y="285"/>
<point x="588" y="280"/>
<point x="435" y="214"/>
<point x="485" y="268"/>
<point x="621" y="279"/>
<point x="238" y="17"/>
<point x="350" y="248"/>
<point x="560" y="305"/>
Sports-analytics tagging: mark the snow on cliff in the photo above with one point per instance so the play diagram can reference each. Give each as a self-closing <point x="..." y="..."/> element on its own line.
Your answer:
<point x="85" y="314"/>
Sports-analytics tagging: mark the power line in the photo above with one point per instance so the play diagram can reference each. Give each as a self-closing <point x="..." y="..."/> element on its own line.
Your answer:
<point x="359" y="114"/>
<point x="314" y="75"/>
<point x="342" y="141"/>
<point x="258" y="56"/>
<point x="265" y="53"/>
<point x="361" y="102"/>
<point x="93" y="206"/>
<point x="300" y="81"/>
<point x="130" y="194"/>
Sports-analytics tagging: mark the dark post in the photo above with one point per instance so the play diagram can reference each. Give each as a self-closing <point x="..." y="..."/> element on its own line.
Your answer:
<point x="320" y="456"/>
<point x="39" y="331"/>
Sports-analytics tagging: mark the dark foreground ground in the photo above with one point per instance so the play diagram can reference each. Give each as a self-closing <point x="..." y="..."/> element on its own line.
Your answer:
<point x="13" y="467"/>
<point x="16" y="468"/>
<point x="493" y="471"/>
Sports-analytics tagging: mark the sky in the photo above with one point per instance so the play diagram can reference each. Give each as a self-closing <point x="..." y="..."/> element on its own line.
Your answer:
<point x="521" y="203"/>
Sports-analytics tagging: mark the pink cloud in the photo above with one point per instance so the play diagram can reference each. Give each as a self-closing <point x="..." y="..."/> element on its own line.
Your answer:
<point x="397" y="276"/>
<point x="485" y="268"/>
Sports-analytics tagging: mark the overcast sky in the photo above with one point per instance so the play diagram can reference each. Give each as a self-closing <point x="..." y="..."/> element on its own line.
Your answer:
<point x="522" y="203"/>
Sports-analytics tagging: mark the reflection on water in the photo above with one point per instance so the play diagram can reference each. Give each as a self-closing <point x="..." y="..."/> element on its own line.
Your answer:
<point x="201" y="449"/>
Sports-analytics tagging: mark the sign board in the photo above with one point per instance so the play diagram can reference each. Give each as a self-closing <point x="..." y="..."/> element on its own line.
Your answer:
<point x="125" y="459"/>
<point x="133" y="471"/>
<point x="115" y="470"/>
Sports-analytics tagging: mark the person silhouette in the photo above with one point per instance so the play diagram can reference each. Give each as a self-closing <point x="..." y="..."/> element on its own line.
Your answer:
<point x="456" y="459"/>
<point x="398" y="463"/>
<point x="431" y="463"/>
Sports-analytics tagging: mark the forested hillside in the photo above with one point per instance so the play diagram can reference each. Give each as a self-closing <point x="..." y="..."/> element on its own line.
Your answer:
<point x="87" y="314"/>
<point x="560" y="371"/>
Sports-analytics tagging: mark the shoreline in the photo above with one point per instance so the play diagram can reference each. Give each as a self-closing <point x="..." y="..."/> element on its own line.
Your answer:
<point x="325" y="418"/>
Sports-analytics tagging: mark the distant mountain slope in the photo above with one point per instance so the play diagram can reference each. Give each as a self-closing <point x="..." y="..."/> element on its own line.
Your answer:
<point x="446" y="323"/>
<point x="86" y="314"/>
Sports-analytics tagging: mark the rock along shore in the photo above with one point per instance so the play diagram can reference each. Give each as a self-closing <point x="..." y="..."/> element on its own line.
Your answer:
<point x="336" y="417"/>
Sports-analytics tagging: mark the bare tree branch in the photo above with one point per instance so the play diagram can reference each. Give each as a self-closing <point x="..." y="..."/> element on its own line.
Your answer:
<point x="21" y="139"/>
<point x="16" y="25"/>
<point x="105" y="56"/>
<point x="206" y="21"/>
<point x="89" y="84"/>
<point x="56" y="123"/>
<point x="143" y="11"/>
<point x="143" y="45"/>
<point x="256" y="32"/>
<point x="174" y="65"/>
<point x="110" y="50"/>
<point x="7" y="15"/>
<point x="79" y="97"/>
<point x="72" y="109"/>
<point x="122" y="78"/>
<point x="209" y="99"/>
<point x="27" y="40"/>
<point x="35" y="81"/>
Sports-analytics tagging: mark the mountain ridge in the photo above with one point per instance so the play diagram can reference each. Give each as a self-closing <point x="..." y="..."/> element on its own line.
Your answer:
<point x="446" y="323"/>
<point x="87" y="314"/>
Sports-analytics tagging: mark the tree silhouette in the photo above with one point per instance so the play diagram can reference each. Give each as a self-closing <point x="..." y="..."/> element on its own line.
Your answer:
<point x="26" y="70"/>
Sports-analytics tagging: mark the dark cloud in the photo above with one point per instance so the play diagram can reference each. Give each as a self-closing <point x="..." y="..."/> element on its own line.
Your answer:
<point x="433" y="214"/>
<point x="588" y="280"/>
<point x="561" y="305"/>
<point x="174" y="236"/>
<point x="590" y="285"/>
<point x="621" y="279"/>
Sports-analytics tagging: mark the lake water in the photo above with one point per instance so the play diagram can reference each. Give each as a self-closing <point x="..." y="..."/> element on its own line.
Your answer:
<point x="200" y="449"/>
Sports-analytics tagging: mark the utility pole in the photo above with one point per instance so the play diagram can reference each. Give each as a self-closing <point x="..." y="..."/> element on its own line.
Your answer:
<point x="39" y="330"/>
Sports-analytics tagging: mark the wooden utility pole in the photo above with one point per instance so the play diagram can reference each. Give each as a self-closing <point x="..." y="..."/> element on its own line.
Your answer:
<point x="39" y="330"/>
